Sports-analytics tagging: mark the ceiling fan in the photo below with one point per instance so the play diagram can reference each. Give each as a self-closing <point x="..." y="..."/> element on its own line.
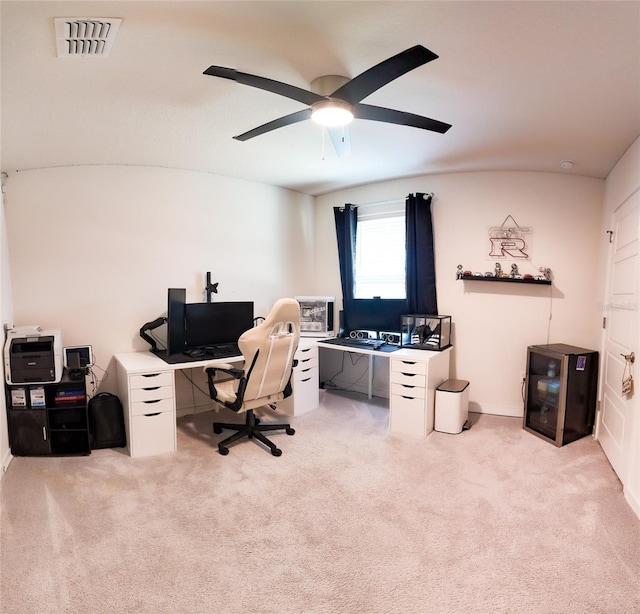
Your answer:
<point x="335" y="108"/>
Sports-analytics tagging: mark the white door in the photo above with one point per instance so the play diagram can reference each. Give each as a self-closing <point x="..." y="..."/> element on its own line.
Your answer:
<point x="615" y="424"/>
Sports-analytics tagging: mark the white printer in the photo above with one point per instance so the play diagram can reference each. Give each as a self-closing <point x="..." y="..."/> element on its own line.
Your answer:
<point x="33" y="355"/>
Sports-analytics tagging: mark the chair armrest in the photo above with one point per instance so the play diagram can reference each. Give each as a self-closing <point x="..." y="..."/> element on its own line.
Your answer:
<point x="227" y="368"/>
<point x="223" y="368"/>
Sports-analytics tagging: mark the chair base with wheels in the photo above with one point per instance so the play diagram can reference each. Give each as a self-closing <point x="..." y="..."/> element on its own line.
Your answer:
<point x="252" y="429"/>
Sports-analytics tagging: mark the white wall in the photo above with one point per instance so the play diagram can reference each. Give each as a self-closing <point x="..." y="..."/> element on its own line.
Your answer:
<point x="494" y="323"/>
<point x="6" y="315"/>
<point x="94" y="249"/>
<point x="621" y="183"/>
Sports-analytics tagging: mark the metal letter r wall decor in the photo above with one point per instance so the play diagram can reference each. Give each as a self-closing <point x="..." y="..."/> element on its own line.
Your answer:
<point x="509" y="241"/>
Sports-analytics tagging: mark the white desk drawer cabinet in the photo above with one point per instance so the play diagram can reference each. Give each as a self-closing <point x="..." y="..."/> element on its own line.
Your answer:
<point x="152" y="433"/>
<point x="408" y="392"/>
<point x="143" y="381"/>
<point x="407" y="415"/>
<point x="413" y="377"/>
<point x="148" y="399"/>
<point x="304" y="381"/>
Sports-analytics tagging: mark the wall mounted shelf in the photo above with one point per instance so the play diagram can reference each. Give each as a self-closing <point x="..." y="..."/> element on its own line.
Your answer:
<point x="508" y="280"/>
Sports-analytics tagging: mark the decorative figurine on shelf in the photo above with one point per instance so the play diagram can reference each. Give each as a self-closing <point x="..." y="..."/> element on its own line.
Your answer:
<point x="498" y="270"/>
<point x="514" y="270"/>
<point x="459" y="272"/>
<point x="488" y="274"/>
<point x="548" y="275"/>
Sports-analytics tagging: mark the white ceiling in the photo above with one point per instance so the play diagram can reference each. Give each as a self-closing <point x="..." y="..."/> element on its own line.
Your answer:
<point x="525" y="85"/>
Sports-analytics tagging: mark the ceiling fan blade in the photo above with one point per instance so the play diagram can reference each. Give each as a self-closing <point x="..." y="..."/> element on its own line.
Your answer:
<point x="287" y="120"/>
<point x="341" y="139"/>
<point x="276" y="87"/>
<point x="370" y="80"/>
<point x="391" y="116"/>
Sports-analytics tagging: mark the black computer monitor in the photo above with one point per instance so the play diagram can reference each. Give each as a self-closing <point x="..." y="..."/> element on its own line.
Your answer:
<point x="176" y="302"/>
<point x="376" y="314"/>
<point x="208" y="324"/>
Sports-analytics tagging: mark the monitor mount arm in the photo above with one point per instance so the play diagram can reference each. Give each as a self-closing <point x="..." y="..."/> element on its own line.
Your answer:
<point x="210" y="288"/>
<point x="151" y="326"/>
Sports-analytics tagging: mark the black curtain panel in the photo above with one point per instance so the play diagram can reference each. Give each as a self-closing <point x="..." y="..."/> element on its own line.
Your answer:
<point x="421" y="270"/>
<point x="346" y="221"/>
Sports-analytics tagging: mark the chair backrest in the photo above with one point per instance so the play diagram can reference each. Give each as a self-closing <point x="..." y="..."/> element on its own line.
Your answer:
<point x="268" y="350"/>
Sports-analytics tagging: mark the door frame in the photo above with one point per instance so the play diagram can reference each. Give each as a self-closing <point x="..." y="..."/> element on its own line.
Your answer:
<point x="631" y="479"/>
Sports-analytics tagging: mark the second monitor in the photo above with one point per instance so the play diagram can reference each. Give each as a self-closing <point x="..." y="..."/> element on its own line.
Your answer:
<point x="210" y="324"/>
<point x="373" y="314"/>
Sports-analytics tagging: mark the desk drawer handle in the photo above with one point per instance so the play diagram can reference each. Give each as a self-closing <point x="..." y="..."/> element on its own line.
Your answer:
<point x="409" y="374"/>
<point x="150" y="374"/>
<point x="408" y="362"/>
<point x="154" y="401"/>
<point x="406" y="386"/>
<point x="406" y="397"/>
<point x="306" y="350"/>
<point x="306" y="380"/>
<point x="151" y="415"/>
<point x="152" y="388"/>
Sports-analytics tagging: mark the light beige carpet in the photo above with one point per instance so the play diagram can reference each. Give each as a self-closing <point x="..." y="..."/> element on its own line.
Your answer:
<point x="349" y="519"/>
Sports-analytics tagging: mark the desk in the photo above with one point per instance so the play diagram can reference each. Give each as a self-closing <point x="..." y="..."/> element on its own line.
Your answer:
<point x="414" y="376"/>
<point x="371" y="353"/>
<point x="146" y="388"/>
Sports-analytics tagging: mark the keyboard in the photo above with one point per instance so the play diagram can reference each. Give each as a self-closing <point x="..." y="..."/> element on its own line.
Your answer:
<point x="222" y="350"/>
<point x="368" y="344"/>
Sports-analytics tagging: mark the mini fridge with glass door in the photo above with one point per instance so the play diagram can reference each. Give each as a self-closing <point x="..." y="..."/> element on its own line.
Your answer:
<point x="561" y="392"/>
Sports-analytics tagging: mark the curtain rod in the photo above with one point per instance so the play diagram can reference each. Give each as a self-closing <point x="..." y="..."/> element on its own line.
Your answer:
<point x="392" y="200"/>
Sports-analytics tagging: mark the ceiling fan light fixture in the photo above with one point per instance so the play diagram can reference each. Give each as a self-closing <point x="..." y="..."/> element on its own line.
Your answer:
<point x="332" y="113"/>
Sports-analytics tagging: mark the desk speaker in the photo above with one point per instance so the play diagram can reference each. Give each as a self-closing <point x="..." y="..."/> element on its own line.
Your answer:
<point x="362" y="334"/>
<point x="391" y="338"/>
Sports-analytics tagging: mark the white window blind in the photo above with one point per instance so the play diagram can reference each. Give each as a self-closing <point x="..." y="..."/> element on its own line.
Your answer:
<point x="380" y="251"/>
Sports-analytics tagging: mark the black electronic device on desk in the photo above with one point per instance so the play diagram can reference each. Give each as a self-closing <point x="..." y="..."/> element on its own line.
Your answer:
<point x="219" y="350"/>
<point x="371" y="323"/>
<point x="208" y="325"/>
<point x="78" y="360"/>
<point x="373" y="314"/>
<point x="200" y="331"/>
<point x="363" y="344"/>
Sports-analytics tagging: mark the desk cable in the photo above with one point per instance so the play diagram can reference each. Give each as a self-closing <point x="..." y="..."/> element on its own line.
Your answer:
<point x="355" y="359"/>
<point x="95" y="382"/>
<point x="193" y="395"/>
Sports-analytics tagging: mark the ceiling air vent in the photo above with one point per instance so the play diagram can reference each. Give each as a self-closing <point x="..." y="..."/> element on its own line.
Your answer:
<point x="85" y="36"/>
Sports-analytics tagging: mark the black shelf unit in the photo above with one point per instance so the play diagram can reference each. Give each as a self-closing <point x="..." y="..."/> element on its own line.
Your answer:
<point x="48" y="419"/>
<point x="508" y="280"/>
<point x="561" y="392"/>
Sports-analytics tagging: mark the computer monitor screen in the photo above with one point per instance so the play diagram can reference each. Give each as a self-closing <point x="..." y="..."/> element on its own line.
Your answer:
<point x="209" y="324"/>
<point x="177" y="298"/>
<point x="378" y="314"/>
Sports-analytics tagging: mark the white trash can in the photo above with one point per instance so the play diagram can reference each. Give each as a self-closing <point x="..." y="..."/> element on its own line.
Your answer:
<point x="452" y="406"/>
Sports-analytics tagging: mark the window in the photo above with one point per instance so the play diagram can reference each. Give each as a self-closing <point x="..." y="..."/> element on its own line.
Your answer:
<point x="380" y="251"/>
